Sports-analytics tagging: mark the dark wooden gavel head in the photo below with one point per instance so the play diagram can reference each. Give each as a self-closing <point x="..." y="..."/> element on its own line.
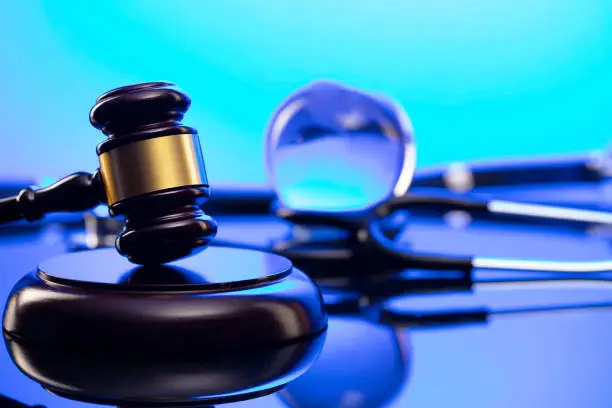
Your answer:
<point x="153" y="174"/>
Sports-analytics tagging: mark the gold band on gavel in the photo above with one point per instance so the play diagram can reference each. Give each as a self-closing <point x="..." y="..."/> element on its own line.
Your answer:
<point x="151" y="165"/>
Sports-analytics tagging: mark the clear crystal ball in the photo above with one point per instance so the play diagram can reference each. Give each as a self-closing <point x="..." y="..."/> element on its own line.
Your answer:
<point x="333" y="148"/>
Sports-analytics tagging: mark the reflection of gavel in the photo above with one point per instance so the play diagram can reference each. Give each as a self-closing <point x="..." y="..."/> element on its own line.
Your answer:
<point x="151" y="172"/>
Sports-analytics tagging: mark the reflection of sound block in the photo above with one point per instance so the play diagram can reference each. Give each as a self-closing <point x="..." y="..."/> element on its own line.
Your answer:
<point x="222" y="299"/>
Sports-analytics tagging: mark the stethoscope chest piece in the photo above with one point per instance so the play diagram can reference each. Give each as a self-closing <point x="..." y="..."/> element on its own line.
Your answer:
<point x="221" y="300"/>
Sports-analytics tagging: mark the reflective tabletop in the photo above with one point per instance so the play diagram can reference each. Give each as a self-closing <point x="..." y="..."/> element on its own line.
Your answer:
<point x="539" y="359"/>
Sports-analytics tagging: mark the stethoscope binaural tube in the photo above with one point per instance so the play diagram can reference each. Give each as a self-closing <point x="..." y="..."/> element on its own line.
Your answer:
<point x="369" y="246"/>
<point x="375" y="237"/>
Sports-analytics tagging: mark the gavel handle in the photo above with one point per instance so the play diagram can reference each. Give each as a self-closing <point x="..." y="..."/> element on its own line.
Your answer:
<point x="77" y="192"/>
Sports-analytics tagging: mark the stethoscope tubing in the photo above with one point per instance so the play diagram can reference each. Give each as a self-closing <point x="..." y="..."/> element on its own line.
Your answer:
<point x="374" y="242"/>
<point x="465" y="176"/>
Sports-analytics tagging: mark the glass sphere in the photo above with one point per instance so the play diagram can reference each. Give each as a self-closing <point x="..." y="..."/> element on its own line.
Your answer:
<point x="334" y="148"/>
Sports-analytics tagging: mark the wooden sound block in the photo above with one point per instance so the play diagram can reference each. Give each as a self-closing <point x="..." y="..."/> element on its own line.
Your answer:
<point x="221" y="300"/>
<point x="194" y="380"/>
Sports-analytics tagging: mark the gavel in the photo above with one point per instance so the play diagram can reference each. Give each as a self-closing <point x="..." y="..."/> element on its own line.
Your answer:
<point x="151" y="172"/>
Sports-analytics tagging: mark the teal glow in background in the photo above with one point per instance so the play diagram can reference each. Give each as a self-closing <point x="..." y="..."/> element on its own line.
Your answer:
<point x="479" y="78"/>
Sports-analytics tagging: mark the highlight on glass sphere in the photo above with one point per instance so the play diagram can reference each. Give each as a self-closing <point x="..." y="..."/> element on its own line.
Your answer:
<point x="333" y="148"/>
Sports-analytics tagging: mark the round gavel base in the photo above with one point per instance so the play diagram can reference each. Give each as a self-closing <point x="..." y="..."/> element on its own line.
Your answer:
<point x="221" y="300"/>
<point x="163" y="381"/>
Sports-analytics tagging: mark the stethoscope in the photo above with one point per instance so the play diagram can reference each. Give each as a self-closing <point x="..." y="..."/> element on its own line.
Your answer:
<point x="339" y="158"/>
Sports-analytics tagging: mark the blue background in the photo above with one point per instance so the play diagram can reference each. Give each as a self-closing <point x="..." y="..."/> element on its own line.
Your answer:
<point x="479" y="78"/>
